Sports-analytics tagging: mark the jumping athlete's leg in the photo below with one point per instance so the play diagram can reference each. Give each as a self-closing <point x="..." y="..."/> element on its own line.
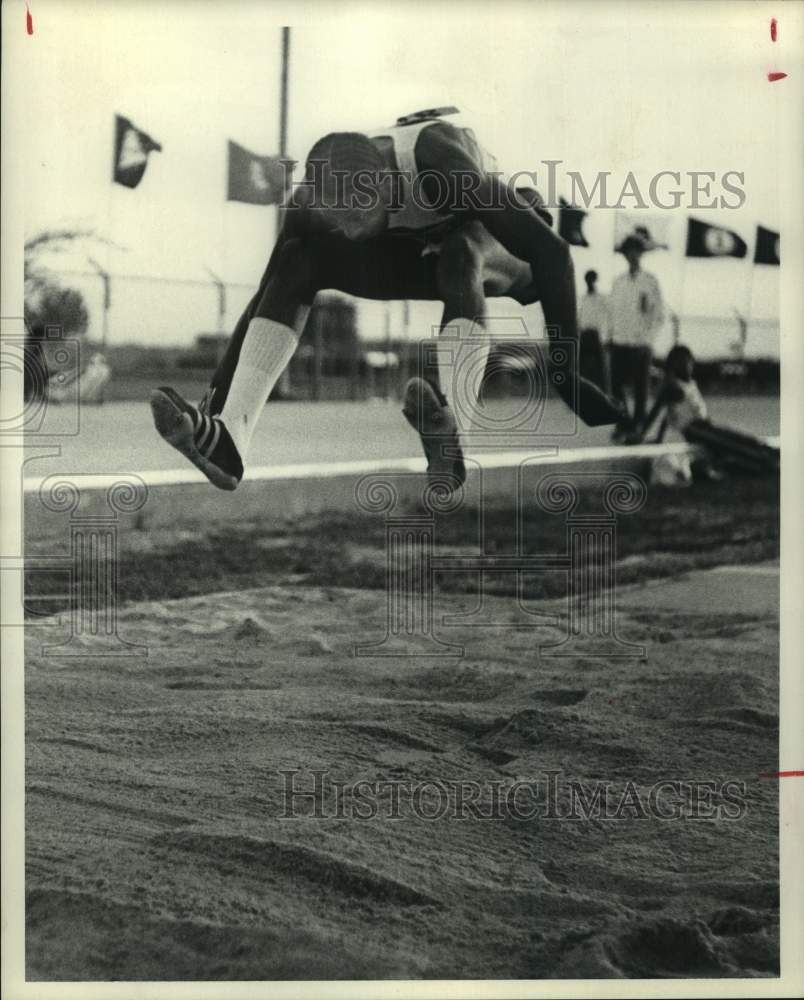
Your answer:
<point x="386" y="269"/>
<point x="240" y="391"/>
<point x="284" y="296"/>
<point x="459" y="280"/>
<point x="216" y="435"/>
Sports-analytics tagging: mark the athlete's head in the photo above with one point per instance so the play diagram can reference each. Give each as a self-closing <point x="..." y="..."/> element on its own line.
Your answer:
<point x="680" y="363"/>
<point x="591" y="280"/>
<point x="345" y="171"/>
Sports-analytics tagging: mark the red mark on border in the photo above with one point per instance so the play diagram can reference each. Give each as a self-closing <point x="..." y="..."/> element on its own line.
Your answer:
<point x="783" y="774"/>
<point x="28" y="20"/>
<point x="773" y="77"/>
<point x="773" y="29"/>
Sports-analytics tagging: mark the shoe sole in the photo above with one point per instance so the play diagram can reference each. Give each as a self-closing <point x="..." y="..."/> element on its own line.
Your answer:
<point x="420" y="407"/>
<point x="175" y="426"/>
<point x="424" y="413"/>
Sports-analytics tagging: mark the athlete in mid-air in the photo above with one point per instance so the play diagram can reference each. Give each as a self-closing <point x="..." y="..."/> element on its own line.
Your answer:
<point x="415" y="211"/>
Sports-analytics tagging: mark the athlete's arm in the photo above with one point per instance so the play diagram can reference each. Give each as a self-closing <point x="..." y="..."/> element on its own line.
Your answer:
<point x="525" y="235"/>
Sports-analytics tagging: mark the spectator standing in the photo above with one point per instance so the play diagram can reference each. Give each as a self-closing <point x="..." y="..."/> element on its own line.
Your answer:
<point x="637" y="313"/>
<point x="594" y="324"/>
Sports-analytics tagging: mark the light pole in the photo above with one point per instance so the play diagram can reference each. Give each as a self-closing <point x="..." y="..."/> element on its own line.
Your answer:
<point x="675" y="324"/>
<point x="106" y="278"/>
<point x="221" y="286"/>
<point x="283" y="94"/>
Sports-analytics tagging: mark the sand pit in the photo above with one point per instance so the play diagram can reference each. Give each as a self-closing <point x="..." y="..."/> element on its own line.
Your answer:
<point x="157" y="847"/>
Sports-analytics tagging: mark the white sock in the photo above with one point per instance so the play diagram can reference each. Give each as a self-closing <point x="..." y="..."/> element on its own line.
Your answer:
<point x="463" y="349"/>
<point x="267" y="349"/>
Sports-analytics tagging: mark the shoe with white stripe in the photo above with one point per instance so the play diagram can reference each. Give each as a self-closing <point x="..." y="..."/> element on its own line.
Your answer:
<point x="426" y="410"/>
<point x="199" y="436"/>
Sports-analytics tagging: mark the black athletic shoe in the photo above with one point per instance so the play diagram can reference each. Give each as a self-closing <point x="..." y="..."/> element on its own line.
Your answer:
<point x="198" y="436"/>
<point x="427" y="411"/>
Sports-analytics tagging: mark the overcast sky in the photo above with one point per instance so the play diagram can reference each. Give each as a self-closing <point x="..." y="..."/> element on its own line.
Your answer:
<point x="601" y="87"/>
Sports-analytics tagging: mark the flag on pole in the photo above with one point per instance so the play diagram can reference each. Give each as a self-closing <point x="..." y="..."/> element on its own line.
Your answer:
<point x="131" y="149"/>
<point x="257" y="180"/>
<point x="767" y="247"/>
<point x="651" y="230"/>
<point x="704" y="240"/>
<point x="570" y="224"/>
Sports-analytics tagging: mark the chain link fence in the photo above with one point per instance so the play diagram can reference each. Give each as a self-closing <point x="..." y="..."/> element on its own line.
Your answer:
<point x="156" y="329"/>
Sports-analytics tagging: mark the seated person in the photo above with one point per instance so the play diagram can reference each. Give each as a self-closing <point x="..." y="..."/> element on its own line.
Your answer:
<point x="683" y="409"/>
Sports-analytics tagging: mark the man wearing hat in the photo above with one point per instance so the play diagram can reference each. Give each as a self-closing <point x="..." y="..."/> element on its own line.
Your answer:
<point x="412" y="211"/>
<point x="637" y="314"/>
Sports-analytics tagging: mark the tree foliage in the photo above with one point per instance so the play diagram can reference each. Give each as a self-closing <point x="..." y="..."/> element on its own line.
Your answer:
<point x="47" y="301"/>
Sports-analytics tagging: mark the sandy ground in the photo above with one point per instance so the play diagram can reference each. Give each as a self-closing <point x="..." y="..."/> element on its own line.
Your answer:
<point x="157" y="847"/>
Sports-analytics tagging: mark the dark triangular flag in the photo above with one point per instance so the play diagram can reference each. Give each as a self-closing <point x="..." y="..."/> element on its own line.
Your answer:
<point x="570" y="224"/>
<point x="767" y="248"/>
<point x="704" y="240"/>
<point x="131" y="149"/>
<point x="257" y="180"/>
